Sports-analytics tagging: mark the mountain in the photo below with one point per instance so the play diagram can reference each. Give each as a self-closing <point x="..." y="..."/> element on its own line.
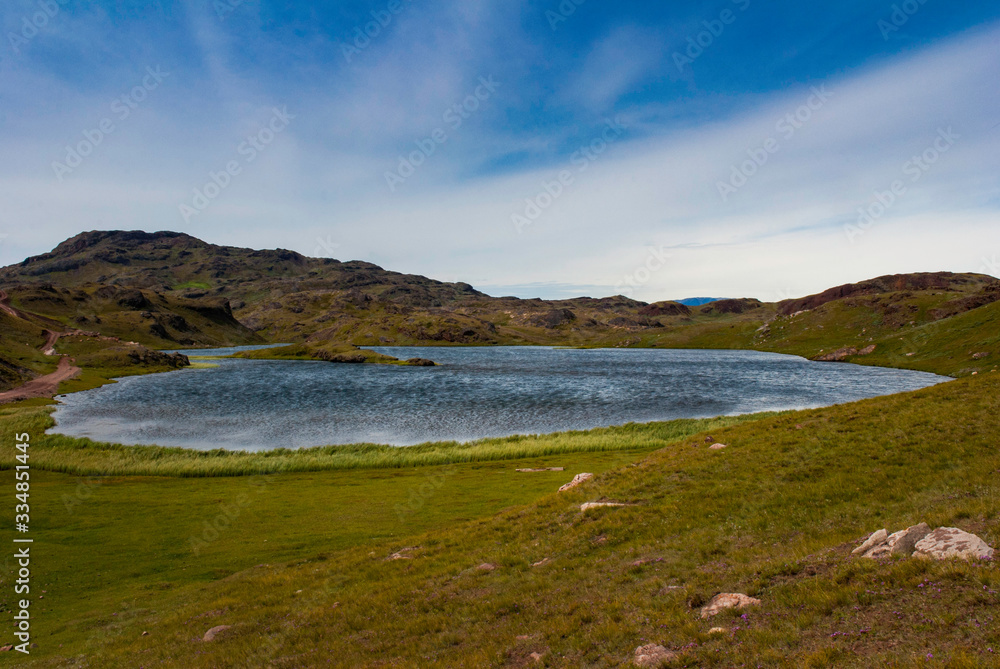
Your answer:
<point x="697" y="301"/>
<point x="172" y="290"/>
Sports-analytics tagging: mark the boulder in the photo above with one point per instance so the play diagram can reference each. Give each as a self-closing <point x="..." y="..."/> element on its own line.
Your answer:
<point x="717" y="447"/>
<point x="951" y="542"/>
<point x="897" y="543"/>
<point x="876" y="539"/>
<point x="215" y="631"/>
<point x="577" y="480"/>
<point x="652" y="655"/>
<point x="906" y="540"/>
<point x="727" y="600"/>
<point x="421" y="362"/>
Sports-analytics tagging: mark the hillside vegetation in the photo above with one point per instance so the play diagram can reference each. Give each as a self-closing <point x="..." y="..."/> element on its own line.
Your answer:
<point x="774" y="515"/>
<point x="171" y="290"/>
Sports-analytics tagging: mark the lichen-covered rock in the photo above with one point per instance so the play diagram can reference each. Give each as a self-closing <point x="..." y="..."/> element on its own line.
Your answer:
<point x="652" y="655"/>
<point x="951" y="542"/>
<point x="727" y="600"/>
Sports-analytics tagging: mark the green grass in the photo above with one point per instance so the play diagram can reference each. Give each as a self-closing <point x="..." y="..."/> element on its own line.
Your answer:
<point x="84" y="457"/>
<point x="201" y="285"/>
<point x="330" y="352"/>
<point x="774" y="515"/>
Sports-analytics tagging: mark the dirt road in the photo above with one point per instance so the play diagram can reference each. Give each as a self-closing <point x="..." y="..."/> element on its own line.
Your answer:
<point x="43" y="386"/>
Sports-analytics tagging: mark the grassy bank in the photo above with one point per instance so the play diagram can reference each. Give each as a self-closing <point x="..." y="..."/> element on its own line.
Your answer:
<point x="329" y="352"/>
<point x="85" y="457"/>
<point x="774" y="515"/>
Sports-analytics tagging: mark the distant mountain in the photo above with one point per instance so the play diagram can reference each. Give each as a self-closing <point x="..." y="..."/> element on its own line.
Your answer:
<point x="698" y="301"/>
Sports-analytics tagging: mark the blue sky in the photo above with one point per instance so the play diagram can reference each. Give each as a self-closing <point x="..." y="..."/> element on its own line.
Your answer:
<point x="659" y="150"/>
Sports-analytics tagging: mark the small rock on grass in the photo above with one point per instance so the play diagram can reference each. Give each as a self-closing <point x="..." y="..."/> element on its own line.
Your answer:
<point x="577" y="480"/>
<point x="652" y="655"/>
<point x="595" y="505"/>
<point x="727" y="600"/>
<point x="717" y="630"/>
<point x="717" y="447"/>
<point x="215" y="631"/>
<point x="486" y="566"/>
<point x="542" y="562"/>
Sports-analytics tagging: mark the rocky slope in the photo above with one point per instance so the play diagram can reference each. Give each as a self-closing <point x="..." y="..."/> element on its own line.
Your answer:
<point x="171" y="290"/>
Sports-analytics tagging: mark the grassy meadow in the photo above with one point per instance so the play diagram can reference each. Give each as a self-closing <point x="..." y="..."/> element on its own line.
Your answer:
<point x="299" y="566"/>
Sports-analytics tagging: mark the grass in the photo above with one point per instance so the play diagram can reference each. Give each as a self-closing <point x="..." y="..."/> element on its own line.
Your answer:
<point x="774" y="515"/>
<point x="84" y="457"/>
<point x="330" y="352"/>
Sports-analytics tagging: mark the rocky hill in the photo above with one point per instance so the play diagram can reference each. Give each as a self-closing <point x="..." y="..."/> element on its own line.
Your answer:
<point x="171" y="290"/>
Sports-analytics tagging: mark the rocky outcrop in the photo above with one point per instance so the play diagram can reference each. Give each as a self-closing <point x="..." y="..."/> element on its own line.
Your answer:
<point x="740" y="306"/>
<point x="920" y="541"/>
<point x="577" y="480"/>
<point x="842" y="354"/>
<point x="652" y="655"/>
<point x="882" y="544"/>
<point x="665" y="309"/>
<point x="727" y="600"/>
<point x="421" y="362"/>
<point x="951" y="542"/>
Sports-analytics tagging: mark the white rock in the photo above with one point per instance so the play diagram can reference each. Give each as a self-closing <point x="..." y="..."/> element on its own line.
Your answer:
<point x="874" y="540"/>
<point x="594" y="505"/>
<point x="727" y="600"/>
<point x="951" y="542"/>
<point x="652" y="655"/>
<point x="577" y="480"/>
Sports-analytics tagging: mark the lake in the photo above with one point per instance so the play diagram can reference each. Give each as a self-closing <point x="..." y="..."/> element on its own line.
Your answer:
<point x="475" y="392"/>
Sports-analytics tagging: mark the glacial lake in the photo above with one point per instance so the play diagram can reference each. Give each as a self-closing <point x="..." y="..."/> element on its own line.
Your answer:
<point x="475" y="392"/>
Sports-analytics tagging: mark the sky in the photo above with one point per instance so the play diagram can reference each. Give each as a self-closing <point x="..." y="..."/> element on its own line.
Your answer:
<point x="549" y="149"/>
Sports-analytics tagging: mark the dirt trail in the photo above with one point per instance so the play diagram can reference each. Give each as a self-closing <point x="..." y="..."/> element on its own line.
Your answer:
<point x="5" y="305"/>
<point x="43" y="386"/>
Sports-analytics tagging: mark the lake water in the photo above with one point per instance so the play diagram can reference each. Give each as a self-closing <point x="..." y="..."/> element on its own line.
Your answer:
<point x="475" y="392"/>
